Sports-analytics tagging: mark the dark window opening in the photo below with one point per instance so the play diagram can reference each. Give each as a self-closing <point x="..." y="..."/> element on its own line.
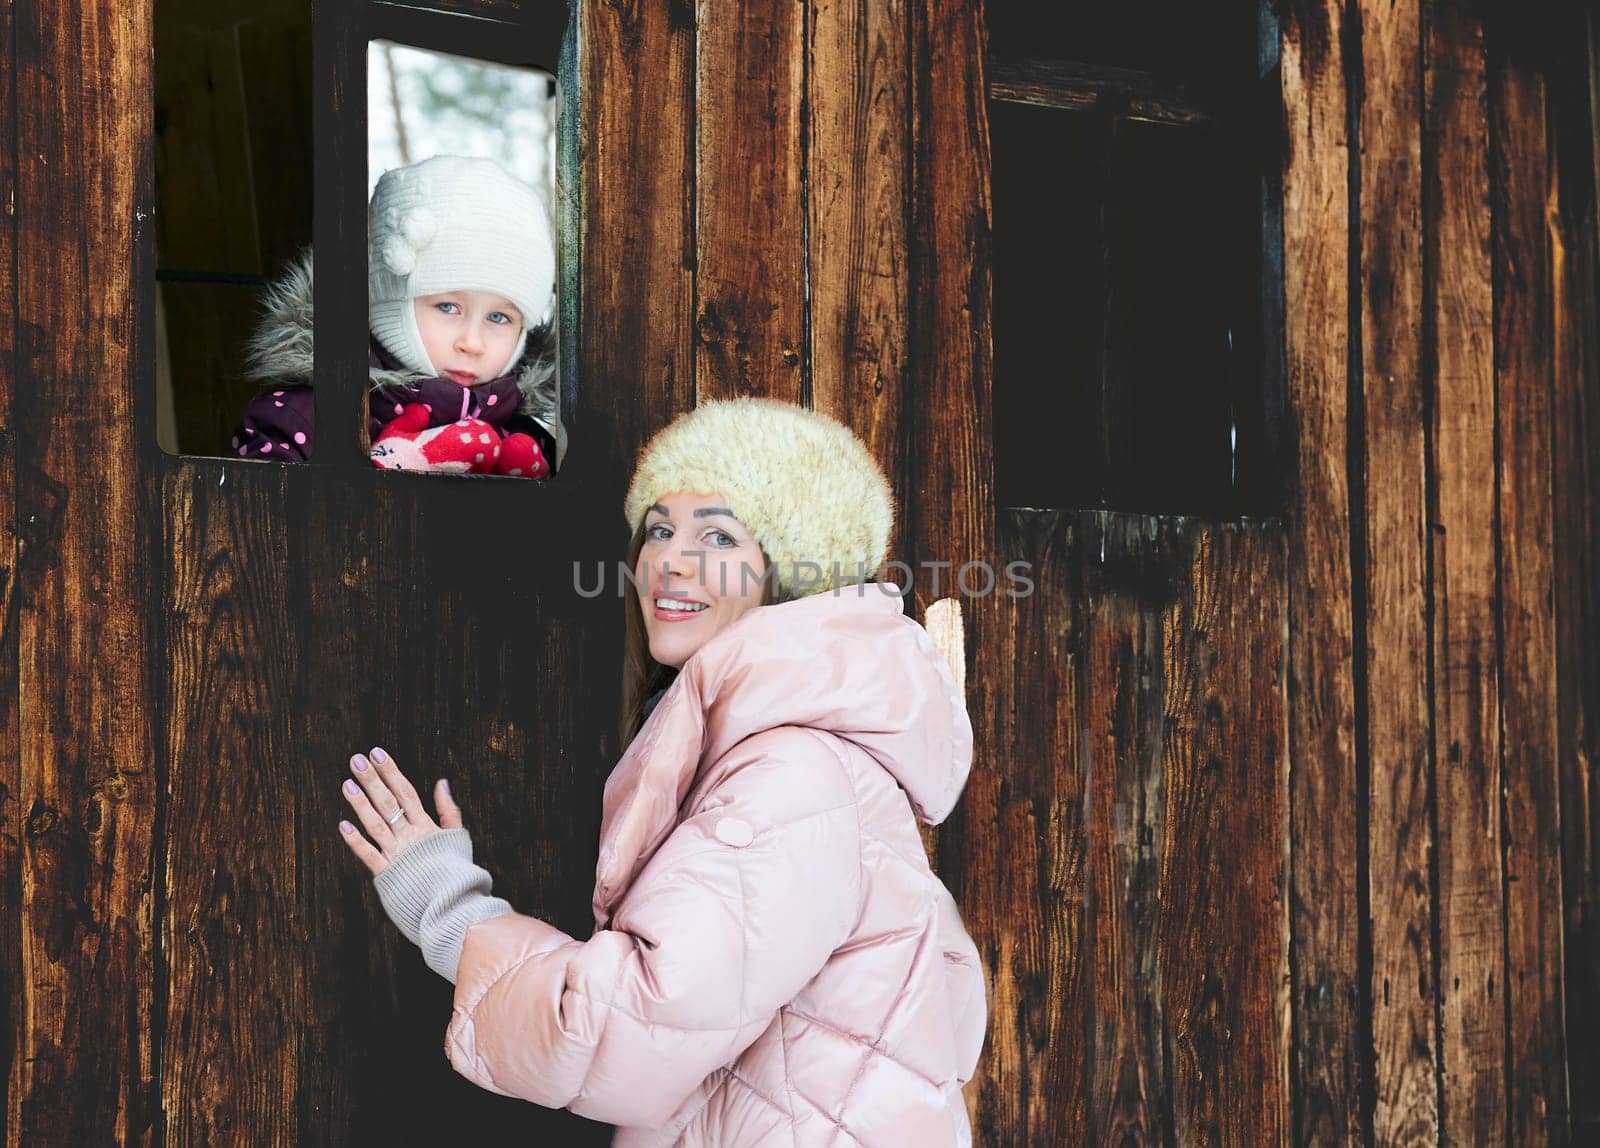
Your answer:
<point x="1136" y="284"/>
<point x="233" y="177"/>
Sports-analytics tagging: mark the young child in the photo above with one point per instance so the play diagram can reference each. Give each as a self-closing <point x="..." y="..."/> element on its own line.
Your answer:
<point x="460" y="275"/>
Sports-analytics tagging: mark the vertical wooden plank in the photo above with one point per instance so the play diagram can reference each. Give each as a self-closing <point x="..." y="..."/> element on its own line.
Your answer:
<point x="947" y="419"/>
<point x="1573" y="109"/>
<point x="235" y="942"/>
<point x="355" y="577"/>
<point x="12" y="1017"/>
<point x="750" y="307"/>
<point x="1459" y="321"/>
<point x="1130" y="1100"/>
<point x="857" y="102"/>
<point x="1028" y="912"/>
<point x="523" y="762"/>
<point x="636" y="316"/>
<point x="88" y="787"/>
<point x="1393" y="581"/>
<point x="1223" y="926"/>
<point x="1536" y="1043"/>
<point x="1325" y="904"/>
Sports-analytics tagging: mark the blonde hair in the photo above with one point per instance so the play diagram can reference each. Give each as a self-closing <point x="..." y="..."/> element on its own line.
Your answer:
<point x="642" y="675"/>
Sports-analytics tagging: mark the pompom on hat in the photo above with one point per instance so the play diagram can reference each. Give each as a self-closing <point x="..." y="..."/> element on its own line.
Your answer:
<point x="806" y="487"/>
<point x="454" y="223"/>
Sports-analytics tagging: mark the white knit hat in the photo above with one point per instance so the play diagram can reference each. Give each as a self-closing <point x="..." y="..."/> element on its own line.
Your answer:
<point x="454" y="223"/>
<point x="807" y="488"/>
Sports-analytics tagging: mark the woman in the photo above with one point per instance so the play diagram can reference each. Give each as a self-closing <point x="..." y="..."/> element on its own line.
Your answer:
<point x="773" y="961"/>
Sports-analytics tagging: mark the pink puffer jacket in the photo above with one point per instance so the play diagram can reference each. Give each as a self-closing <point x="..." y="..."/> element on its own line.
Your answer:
<point x="773" y="961"/>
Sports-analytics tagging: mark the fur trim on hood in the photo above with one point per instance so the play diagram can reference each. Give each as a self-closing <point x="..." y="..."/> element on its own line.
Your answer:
<point x="280" y="351"/>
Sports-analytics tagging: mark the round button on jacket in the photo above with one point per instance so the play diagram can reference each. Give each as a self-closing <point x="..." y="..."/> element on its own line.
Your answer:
<point x="732" y="831"/>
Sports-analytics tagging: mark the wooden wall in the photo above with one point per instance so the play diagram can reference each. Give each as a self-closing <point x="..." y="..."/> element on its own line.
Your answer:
<point x="1439" y="234"/>
<point x="1279" y="831"/>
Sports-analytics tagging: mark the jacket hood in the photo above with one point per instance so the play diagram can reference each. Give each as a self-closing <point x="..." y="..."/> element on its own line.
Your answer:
<point x="848" y="663"/>
<point x="281" y="351"/>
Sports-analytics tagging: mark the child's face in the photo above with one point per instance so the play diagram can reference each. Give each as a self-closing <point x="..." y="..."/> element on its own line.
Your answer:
<point x="469" y="335"/>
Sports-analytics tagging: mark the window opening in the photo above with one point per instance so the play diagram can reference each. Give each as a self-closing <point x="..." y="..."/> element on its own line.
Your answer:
<point x="1137" y="297"/>
<point x="462" y="264"/>
<point x="233" y="177"/>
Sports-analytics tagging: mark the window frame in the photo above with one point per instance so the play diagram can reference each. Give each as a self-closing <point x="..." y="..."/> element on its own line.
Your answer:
<point x="536" y="35"/>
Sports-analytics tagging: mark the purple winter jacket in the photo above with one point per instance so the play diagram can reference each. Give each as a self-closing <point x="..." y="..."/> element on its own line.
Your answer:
<point x="278" y="424"/>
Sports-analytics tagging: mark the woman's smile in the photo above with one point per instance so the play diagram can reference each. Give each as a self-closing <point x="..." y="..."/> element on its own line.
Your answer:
<point x="678" y="609"/>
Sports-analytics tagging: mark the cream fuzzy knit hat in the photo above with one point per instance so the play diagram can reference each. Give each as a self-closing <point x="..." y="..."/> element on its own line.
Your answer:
<point x="807" y="488"/>
<point x="454" y="223"/>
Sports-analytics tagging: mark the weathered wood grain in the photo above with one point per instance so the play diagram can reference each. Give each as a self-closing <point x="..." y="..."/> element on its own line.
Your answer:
<point x="236" y="947"/>
<point x="1520" y="171"/>
<point x="352" y="583"/>
<point x="637" y="170"/>
<point x="1573" y="108"/>
<point x="857" y="247"/>
<point x="1222" y="929"/>
<point x="88" y="747"/>
<point x="1325" y="902"/>
<point x="12" y="1016"/>
<point x="946" y="419"/>
<point x="1125" y="659"/>
<point x="1459" y="324"/>
<point x="750" y="307"/>
<point x="1393" y="580"/>
<point x="1026" y="793"/>
<point x="1089" y="87"/>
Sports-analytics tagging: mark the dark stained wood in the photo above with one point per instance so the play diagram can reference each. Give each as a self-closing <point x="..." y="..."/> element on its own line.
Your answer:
<point x="1124" y="655"/>
<point x="1467" y="783"/>
<point x="521" y="734"/>
<point x="1393" y="603"/>
<point x="1536" y="1044"/>
<point x="1325" y="902"/>
<point x="275" y="61"/>
<point x="13" y="1022"/>
<point x="636" y="341"/>
<point x="946" y="418"/>
<point x="206" y="219"/>
<point x="1223" y="927"/>
<point x="1087" y="87"/>
<point x="750" y="310"/>
<point x="1575" y="445"/>
<point x="1027" y="794"/>
<point x="1202" y="748"/>
<point x="207" y="326"/>
<point x="339" y="235"/>
<point x="1186" y="734"/>
<point x="235" y="943"/>
<point x="857" y="100"/>
<point x="89" y="756"/>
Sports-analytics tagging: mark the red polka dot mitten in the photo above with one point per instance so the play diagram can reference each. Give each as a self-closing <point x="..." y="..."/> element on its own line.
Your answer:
<point x="466" y="446"/>
<point x="520" y="456"/>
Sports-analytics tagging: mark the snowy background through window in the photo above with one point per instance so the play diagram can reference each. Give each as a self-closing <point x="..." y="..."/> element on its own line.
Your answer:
<point x="422" y="103"/>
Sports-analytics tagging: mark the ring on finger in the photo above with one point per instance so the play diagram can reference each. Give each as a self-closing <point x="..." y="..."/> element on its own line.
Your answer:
<point x="398" y="814"/>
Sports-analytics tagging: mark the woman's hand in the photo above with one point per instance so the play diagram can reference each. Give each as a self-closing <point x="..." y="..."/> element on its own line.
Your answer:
<point x="390" y="810"/>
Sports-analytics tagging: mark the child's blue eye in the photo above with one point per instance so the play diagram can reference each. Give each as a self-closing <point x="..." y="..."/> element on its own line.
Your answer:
<point x="448" y="308"/>
<point x="499" y="317"/>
